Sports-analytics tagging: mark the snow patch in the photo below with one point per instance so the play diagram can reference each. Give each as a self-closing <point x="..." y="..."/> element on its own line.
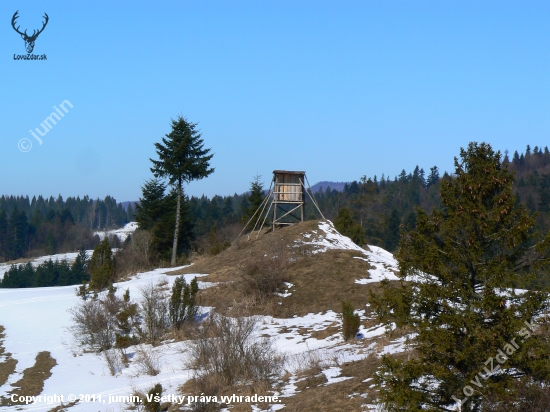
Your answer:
<point x="333" y="375"/>
<point x="121" y="233"/>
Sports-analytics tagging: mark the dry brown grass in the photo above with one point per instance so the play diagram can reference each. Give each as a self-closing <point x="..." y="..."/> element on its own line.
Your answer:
<point x="316" y="396"/>
<point x="224" y="266"/>
<point x="7" y="366"/>
<point x="325" y="333"/>
<point x="32" y="382"/>
<point x="320" y="281"/>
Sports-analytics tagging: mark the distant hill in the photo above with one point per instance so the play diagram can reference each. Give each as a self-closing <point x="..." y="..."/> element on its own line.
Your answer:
<point x="339" y="186"/>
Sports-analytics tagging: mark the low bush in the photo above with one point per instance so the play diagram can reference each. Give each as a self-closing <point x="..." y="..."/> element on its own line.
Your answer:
<point x="147" y="360"/>
<point x="228" y="351"/>
<point x="149" y="402"/>
<point x="113" y="361"/>
<point x="181" y="306"/>
<point x="350" y="321"/>
<point x="154" y="310"/>
<point x="265" y="276"/>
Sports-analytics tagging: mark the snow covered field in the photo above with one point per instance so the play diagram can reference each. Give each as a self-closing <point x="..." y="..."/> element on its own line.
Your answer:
<point x="36" y="319"/>
<point x="121" y="233"/>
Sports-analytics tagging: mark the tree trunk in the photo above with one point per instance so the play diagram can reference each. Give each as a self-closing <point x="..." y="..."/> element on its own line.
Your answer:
<point x="177" y="228"/>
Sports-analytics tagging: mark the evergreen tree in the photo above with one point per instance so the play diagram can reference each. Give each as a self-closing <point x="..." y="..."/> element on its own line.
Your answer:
<point x="392" y="231"/>
<point x="433" y="177"/>
<point x="422" y="178"/>
<point x="253" y="201"/>
<point x="130" y="210"/>
<point x="228" y="211"/>
<point x="50" y="244"/>
<point x="182" y="158"/>
<point x="79" y="268"/>
<point x="544" y="191"/>
<point x="3" y="232"/>
<point x="156" y="212"/>
<point x="101" y="266"/>
<point x="182" y="301"/>
<point x="164" y="228"/>
<point x="151" y="402"/>
<point x="48" y="273"/>
<point x="350" y="321"/>
<point x="18" y="276"/>
<point x="149" y="210"/>
<point x="346" y="225"/>
<point x="464" y="262"/>
<point x="17" y="235"/>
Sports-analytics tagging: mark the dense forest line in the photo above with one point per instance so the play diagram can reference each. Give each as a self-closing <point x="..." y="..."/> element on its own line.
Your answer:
<point x="371" y="210"/>
<point x="38" y="226"/>
<point x="49" y="273"/>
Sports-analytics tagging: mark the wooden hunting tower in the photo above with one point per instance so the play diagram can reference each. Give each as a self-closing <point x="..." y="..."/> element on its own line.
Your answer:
<point x="288" y="194"/>
<point x="288" y="197"/>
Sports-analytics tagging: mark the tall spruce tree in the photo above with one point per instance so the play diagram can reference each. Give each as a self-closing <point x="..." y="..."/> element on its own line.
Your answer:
<point x="459" y="270"/>
<point x="155" y="212"/>
<point x="182" y="158"/>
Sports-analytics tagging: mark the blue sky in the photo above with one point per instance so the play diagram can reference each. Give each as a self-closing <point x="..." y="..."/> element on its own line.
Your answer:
<point x="339" y="89"/>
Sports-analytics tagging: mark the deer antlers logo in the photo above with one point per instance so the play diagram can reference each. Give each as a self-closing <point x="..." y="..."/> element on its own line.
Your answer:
<point x="29" y="40"/>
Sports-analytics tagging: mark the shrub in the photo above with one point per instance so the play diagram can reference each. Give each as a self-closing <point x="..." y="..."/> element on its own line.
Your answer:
<point x="149" y="402"/>
<point x="228" y="351"/>
<point x="182" y="301"/>
<point x="113" y="361"/>
<point x="265" y="276"/>
<point x="350" y="321"/>
<point x="93" y="327"/>
<point x="147" y="360"/>
<point x="154" y="311"/>
<point x="154" y="394"/>
<point x="125" y="341"/>
<point x="100" y="324"/>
